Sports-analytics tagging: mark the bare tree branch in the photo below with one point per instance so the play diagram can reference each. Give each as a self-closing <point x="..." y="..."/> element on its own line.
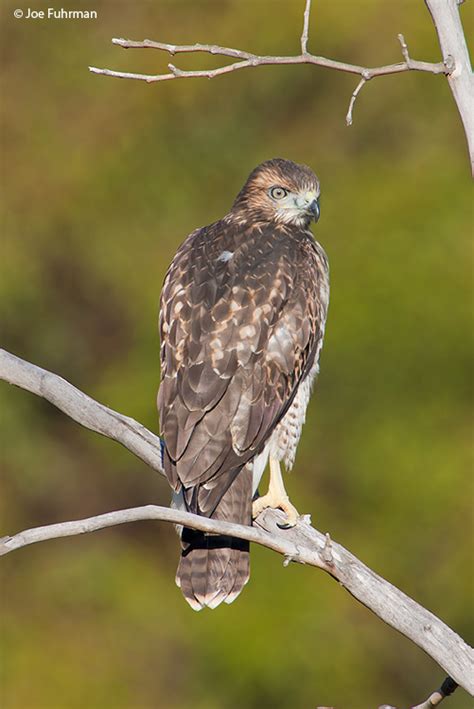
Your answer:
<point x="445" y="14"/>
<point x="82" y="409"/>
<point x="355" y="93"/>
<point x="305" y="34"/>
<point x="435" y="699"/>
<point x="248" y="60"/>
<point x="302" y="544"/>
<point x="410" y="64"/>
<point x="446" y="19"/>
<point x="165" y="514"/>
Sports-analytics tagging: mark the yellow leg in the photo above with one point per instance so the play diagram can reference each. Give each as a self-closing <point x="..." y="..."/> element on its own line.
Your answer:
<point x="276" y="496"/>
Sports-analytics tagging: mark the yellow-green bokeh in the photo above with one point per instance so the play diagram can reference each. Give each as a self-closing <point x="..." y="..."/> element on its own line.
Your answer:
<point x="102" y="179"/>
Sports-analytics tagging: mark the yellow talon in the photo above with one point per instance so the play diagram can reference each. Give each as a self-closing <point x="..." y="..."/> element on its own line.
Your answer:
<point x="276" y="498"/>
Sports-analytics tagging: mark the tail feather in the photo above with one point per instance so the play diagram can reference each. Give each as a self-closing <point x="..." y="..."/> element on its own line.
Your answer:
<point x="215" y="568"/>
<point x="241" y="576"/>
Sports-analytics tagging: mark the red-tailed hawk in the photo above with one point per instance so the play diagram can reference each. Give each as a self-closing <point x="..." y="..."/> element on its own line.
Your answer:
<point x="242" y="318"/>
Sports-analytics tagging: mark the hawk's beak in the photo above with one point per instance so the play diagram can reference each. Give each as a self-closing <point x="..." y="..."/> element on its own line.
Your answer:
<point x="313" y="209"/>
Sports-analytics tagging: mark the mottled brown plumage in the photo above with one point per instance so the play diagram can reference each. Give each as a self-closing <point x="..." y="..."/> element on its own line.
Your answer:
<point x="242" y="319"/>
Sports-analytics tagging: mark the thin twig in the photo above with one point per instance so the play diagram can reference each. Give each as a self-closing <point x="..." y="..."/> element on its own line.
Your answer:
<point x="209" y="73"/>
<point x="305" y="34"/>
<point x="326" y="552"/>
<point x="435" y="699"/>
<point x="445" y="13"/>
<point x="302" y="543"/>
<point x="183" y="48"/>
<point x="355" y="93"/>
<point x="129" y="75"/>
<point x="249" y="60"/>
<point x="405" y="52"/>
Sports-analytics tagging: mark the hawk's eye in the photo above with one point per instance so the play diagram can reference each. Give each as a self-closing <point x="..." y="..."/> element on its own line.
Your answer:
<point x="278" y="192"/>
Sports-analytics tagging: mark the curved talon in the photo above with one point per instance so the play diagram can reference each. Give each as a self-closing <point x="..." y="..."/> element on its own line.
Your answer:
<point x="269" y="500"/>
<point x="287" y="525"/>
<point x="292" y="516"/>
<point x="276" y="498"/>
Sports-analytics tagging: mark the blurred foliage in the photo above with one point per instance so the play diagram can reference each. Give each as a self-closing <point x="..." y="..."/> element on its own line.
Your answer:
<point x="102" y="179"/>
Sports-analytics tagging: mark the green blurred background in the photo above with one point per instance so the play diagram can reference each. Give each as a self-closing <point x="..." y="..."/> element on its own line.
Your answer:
<point x="102" y="179"/>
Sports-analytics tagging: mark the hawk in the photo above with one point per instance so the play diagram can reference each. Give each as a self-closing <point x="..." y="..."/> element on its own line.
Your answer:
<point x="242" y="316"/>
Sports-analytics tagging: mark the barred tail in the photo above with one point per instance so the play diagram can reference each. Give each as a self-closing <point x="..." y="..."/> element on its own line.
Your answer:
<point x="215" y="568"/>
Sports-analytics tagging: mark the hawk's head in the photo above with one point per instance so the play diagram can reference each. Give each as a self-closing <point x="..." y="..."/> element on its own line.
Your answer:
<point x="279" y="190"/>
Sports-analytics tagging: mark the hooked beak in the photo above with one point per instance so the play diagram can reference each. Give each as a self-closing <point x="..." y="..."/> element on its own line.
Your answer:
<point x="313" y="209"/>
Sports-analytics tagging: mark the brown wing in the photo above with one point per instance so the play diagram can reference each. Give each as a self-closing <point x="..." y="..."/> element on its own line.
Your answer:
<point x="241" y="318"/>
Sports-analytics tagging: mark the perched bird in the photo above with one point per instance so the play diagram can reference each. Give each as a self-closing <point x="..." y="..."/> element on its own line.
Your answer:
<point x="242" y="317"/>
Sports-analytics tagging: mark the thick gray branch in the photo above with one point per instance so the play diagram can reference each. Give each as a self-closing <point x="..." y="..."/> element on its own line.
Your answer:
<point x="445" y="15"/>
<point x="278" y="543"/>
<point x="81" y="408"/>
<point x="302" y="544"/>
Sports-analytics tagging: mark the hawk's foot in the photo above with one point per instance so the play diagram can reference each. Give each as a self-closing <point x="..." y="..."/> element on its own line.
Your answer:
<point x="274" y="501"/>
